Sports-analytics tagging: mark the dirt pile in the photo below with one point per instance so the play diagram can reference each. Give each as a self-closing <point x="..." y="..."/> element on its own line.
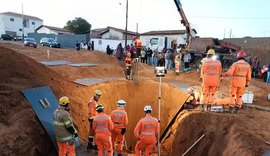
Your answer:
<point x="225" y="134"/>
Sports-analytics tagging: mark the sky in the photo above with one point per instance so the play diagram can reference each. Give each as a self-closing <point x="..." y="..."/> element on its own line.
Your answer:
<point x="210" y="18"/>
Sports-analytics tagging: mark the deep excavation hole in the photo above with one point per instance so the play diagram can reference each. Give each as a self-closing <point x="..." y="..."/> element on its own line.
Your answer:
<point x="137" y="96"/>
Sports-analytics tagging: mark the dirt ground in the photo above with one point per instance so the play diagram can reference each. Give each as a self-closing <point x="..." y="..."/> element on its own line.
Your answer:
<point x="225" y="134"/>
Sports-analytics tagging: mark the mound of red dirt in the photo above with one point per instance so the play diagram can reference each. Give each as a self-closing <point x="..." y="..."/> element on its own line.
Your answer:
<point x="225" y="134"/>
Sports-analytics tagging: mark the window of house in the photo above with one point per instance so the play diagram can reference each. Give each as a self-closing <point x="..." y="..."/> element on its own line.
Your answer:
<point x="26" y="23"/>
<point x="20" y="29"/>
<point x="11" y="19"/>
<point x="33" y="23"/>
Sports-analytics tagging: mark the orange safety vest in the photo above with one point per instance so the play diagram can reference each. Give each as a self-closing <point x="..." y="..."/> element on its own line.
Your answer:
<point x="128" y="61"/>
<point x="119" y="118"/>
<point x="138" y="43"/>
<point x="92" y="108"/>
<point x="147" y="126"/>
<point x="210" y="72"/>
<point x="240" y="72"/>
<point x="103" y="124"/>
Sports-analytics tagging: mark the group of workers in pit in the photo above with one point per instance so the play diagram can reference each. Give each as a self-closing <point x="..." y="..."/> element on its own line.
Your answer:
<point x="211" y="71"/>
<point x="106" y="133"/>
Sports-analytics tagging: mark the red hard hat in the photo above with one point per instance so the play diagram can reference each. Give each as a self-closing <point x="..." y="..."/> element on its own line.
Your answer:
<point x="241" y="54"/>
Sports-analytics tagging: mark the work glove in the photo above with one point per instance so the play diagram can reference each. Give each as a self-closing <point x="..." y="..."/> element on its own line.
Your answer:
<point x="123" y="131"/>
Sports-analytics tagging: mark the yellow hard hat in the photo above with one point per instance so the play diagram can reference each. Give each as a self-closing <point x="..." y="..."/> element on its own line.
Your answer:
<point x="98" y="93"/>
<point x="99" y="107"/>
<point x="211" y="51"/>
<point x="63" y="101"/>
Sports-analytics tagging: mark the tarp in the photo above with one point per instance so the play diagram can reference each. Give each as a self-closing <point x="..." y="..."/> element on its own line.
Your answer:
<point x="43" y="102"/>
<point x="82" y="64"/>
<point x="92" y="81"/>
<point x="55" y="63"/>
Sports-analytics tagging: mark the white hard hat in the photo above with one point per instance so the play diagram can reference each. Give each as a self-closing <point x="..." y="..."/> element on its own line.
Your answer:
<point x="147" y="108"/>
<point x="121" y="103"/>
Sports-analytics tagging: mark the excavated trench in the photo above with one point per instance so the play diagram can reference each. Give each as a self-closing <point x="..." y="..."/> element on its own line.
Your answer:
<point x="137" y="96"/>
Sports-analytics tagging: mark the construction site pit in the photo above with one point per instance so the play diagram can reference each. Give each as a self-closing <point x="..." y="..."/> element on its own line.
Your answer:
<point x="246" y="133"/>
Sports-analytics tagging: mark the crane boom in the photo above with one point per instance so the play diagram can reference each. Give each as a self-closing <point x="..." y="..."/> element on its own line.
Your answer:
<point x="184" y="21"/>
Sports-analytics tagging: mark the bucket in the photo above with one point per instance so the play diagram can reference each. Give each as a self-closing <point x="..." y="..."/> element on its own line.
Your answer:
<point x="248" y="97"/>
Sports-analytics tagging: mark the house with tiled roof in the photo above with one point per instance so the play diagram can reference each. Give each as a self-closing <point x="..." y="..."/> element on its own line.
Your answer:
<point x="52" y="30"/>
<point x="112" y="33"/>
<point x="16" y="24"/>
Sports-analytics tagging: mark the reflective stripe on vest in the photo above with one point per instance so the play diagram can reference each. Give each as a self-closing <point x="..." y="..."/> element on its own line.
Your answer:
<point x="102" y="129"/>
<point x="61" y="123"/>
<point x="148" y="133"/>
<point x="101" y="117"/>
<point x="211" y="61"/>
<point x="148" y="119"/>
<point x="239" y="76"/>
<point x="211" y="74"/>
<point x="65" y="138"/>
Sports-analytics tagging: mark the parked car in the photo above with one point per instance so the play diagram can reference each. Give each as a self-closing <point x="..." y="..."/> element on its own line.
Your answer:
<point x="263" y="73"/>
<point x="8" y="37"/>
<point x="31" y="42"/>
<point x="45" y="41"/>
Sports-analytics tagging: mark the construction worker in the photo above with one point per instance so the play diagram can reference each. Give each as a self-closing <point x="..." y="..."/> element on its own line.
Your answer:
<point x="120" y="121"/>
<point x="91" y="114"/>
<point x="138" y="46"/>
<point x="103" y="126"/>
<point x="146" y="131"/>
<point x="210" y="74"/>
<point x="128" y="61"/>
<point x="178" y="61"/>
<point x="240" y="72"/>
<point x="65" y="132"/>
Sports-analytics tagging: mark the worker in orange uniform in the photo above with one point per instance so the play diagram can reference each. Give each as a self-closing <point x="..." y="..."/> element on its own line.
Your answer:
<point x="103" y="126"/>
<point x="120" y="120"/>
<point x="65" y="132"/>
<point x="210" y="74"/>
<point x="146" y="131"/>
<point x="240" y="72"/>
<point x="128" y="61"/>
<point x="91" y="114"/>
<point x="138" y="46"/>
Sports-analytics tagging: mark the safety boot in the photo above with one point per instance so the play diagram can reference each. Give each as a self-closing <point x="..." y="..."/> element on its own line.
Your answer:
<point x="91" y="144"/>
<point x="236" y="109"/>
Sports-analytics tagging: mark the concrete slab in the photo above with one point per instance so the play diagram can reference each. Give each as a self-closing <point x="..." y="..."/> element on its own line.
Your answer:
<point x="43" y="102"/>
<point x="55" y="63"/>
<point x="180" y="86"/>
<point x="82" y="64"/>
<point x="93" y="81"/>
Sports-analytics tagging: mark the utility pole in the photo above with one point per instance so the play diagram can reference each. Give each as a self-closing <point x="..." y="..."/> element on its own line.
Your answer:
<point x="22" y="24"/>
<point x="126" y="24"/>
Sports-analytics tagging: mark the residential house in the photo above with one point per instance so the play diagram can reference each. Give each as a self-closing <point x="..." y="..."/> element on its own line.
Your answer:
<point x="111" y="36"/>
<point x="164" y="38"/>
<point x="52" y="30"/>
<point x="16" y="24"/>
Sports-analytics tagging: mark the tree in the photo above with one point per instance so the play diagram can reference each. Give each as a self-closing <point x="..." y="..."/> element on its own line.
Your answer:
<point x="78" y="26"/>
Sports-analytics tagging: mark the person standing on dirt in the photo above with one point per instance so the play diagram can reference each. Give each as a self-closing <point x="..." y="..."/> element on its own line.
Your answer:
<point x="168" y="59"/>
<point x="146" y="131"/>
<point x="77" y="45"/>
<point x="178" y="61"/>
<point x="65" y="131"/>
<point x="91" y="114"/>
<point x="149" y="54"/>
<point x="120" y="120"/>
<point x="128" y="61"/>
<point x="119" y="52"/>
<point x="210" y="74"/>
<point x="255" y="67"/>
<point x="187" y="58"/>
<point x="143" y="55"/>
<point x="132" y="51"/>
<point x="240" y="72"/>
<point x="103" y="126"/>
